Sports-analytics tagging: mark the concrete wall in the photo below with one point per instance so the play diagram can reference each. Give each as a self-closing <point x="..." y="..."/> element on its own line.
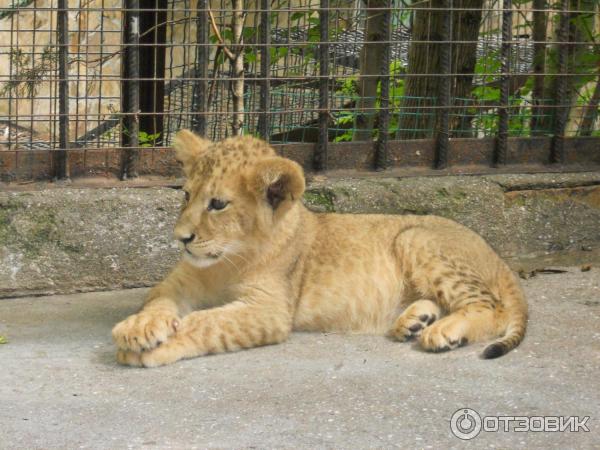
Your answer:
<point x="67" y="239"/>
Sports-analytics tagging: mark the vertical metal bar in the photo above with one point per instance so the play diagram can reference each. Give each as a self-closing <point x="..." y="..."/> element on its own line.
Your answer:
<point x="199" y="100"/>
<point x="34" y="45"/>
<point x="504" y="107"/>
<point x="59" y="163"/>
<point x="264" y="120"/>
<point x="539" y="34"/>
<point x="320" y="157"/>
<point x="557" y="149"/>
<point x="442" y="137"/>
<point x="131" y="93"/>
<point x="381" y="153"/>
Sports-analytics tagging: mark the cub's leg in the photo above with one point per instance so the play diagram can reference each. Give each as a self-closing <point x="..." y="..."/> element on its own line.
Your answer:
<point x="475" y="313"/>
<point x="466" y="324"/>
<point x="160" y="316"/>
<point x="414" y="319"/>
<point x="436" y="263"/>
<point x="153" y="325"/>
<point x="251" y="322"/>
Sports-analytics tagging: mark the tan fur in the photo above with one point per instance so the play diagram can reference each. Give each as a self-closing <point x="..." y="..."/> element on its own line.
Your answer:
<point x="265" y="265"/>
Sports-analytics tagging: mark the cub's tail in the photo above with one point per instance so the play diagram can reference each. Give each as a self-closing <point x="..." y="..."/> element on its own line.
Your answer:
<point x="513" y="300"/>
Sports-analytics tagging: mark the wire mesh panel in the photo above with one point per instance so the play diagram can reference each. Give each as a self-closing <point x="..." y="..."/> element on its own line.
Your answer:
<point x="100" y="87"/>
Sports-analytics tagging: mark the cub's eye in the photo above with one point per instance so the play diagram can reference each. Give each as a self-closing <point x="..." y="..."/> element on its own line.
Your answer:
<point x="187" y="196"/>
<point x="216" y="204"/>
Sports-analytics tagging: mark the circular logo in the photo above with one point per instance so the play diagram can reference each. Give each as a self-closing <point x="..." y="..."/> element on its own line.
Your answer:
<point x="465" y="424"/>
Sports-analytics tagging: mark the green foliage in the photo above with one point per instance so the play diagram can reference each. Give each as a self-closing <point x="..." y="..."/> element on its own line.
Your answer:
<point x="28" y="72"/>
<point x="14" y="7"/>
<point x="144" y="139"/>
<point x="348" y="90"/>
<point x="488" y="66"/>
<point x="3" y="339"/>
<point x="147" y="140"/>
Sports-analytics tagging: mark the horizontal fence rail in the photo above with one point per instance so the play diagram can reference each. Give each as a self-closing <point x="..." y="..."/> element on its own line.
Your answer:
<point x="99" y="88"/>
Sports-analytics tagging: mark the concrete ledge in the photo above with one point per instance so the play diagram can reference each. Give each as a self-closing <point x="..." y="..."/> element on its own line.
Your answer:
<point x="69" y="240"/>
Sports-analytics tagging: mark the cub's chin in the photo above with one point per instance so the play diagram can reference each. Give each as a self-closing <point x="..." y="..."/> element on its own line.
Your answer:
<point x="201" y="262"/>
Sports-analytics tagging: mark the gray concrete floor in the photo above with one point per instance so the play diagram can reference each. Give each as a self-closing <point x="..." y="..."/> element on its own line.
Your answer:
<point x="61" y="388"/>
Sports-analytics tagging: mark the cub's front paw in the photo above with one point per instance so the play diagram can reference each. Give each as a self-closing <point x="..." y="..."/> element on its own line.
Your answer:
<point x="129" y="358"/>
<point x="159" y="356"/>
<point x="145" y="330"/>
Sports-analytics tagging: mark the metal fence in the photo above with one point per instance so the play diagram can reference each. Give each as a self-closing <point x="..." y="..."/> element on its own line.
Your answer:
<point x="99" y="87"/>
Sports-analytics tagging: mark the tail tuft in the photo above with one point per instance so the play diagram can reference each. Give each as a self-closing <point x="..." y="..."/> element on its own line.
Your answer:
<point x="494" y="350"/>
<point x="516" y="317"/>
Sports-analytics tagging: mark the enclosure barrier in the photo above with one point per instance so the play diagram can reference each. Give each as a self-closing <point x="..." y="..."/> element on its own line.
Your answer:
<point x="98" y="88"/>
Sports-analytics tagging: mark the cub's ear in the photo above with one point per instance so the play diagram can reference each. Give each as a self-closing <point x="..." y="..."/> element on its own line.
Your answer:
<point x="277" y="181"/>
<point x="188" y="147"/>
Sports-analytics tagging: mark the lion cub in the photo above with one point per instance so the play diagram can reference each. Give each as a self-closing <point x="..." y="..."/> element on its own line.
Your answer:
<point x="257" y="264"/>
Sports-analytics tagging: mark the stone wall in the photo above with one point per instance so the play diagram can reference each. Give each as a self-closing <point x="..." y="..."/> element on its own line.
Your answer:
<point x="93" y="37"/>
<point x="68" y="239"/>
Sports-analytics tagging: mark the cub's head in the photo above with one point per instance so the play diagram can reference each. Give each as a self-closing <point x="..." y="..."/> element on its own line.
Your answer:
<point x="236" y="193"/>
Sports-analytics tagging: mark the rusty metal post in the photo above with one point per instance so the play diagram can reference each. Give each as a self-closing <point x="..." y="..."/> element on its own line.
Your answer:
<point x="199" y="99"/>
<point x="381" y="145"/>
<point x="501" y="149"/>
<point x="59" y="160"/>
<point x="557" y="150"/>
<point x="130" y="95"/>
<point x="320" y="157"/>
<point x="443" y="122"/>
<point x="264" y="120"/>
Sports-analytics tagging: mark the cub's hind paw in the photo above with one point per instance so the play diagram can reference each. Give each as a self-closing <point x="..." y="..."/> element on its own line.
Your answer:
<point x="407" y="328"/>
<point x="445" y="335"/>
<point x="414" y="320"/>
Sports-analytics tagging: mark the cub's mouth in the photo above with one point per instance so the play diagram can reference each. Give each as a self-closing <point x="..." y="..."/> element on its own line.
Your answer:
<point x="204" y="259"/>
<point x="207" y="255"/>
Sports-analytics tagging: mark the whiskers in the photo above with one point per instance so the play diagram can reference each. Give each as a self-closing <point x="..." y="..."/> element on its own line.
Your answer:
<point x="229" y="249"/>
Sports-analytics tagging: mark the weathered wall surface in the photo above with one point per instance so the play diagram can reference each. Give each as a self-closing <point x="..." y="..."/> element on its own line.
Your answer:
<point x="94" y="44"/>
<point x="67" y="239"/>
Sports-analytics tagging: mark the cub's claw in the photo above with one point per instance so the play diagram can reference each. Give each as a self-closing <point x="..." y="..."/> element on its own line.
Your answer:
<point x="411" y="327"/>
<point x="144" y="331"/>
<point x="446" y="334"/>
<point x="412" y="322"/>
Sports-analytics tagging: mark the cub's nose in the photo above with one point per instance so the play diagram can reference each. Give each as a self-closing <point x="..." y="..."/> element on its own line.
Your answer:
<point x="187" y="239"/>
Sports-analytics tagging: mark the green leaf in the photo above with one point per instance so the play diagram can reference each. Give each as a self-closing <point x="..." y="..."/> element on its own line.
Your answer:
<point x="3" y="340"/>
<point x="486" y="93"/>
<point x="343" y="138"/>
<point x="314" y="35"/>
<point x="227" y="34"/>
<point x="298" y="15"/>
<point x="282" y="52"/>
<point x="248" y="32"/>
